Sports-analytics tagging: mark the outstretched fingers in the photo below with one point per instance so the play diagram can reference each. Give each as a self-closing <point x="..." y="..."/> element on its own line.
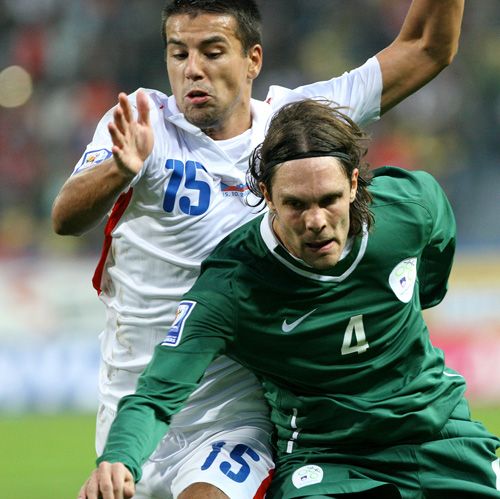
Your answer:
<point x="116" y="137"/>
<point x="119" y="119"/>
<point x="124" y="105"/>
<point x="143" y="107"/>
<point x="131" y="133"/>
<point x="119" y="128"/>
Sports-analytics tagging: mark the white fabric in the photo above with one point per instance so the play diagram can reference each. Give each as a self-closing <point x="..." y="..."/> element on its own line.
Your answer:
<point x="156" y="254"/>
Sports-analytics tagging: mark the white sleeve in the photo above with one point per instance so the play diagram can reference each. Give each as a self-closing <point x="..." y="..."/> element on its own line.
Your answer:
<point x="359" y="91"/>
<point x="99" y="149"/>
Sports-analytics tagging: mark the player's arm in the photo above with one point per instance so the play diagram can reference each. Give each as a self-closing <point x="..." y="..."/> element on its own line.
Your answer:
<point x="143" y="417"/>
<point x="437" y="256"/>
<point x="199" y="333"/>
<point x="426" y="44"/>
<point x="86" y="198"/>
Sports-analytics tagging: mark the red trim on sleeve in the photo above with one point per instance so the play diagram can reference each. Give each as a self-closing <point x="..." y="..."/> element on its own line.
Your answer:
<point x="261" y="491"/>
<point x="116" y="213"/>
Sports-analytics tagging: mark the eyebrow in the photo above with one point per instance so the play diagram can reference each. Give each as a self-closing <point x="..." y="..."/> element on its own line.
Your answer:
<point x="286" y="197"/>
<point x="208" y="41"/>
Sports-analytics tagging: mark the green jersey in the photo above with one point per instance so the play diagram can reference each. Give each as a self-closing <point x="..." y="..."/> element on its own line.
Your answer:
<point x="344" y="355"/>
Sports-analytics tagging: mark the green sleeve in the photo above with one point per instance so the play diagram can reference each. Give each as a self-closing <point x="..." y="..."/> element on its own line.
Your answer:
<point x="437" y="256"/>
<point x="436" y="223"/>
<point x="172" y="375"/>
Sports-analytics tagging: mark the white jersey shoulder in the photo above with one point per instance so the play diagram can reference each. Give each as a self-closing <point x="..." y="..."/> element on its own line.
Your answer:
<point x="359" y="91"/>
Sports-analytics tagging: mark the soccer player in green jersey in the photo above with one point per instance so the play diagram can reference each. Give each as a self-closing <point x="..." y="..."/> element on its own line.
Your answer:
<point x="322" y="298"/>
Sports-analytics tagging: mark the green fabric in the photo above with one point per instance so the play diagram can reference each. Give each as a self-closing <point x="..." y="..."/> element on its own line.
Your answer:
<point x="394" y="390"/>
<point x="384" y="386"/>
<point x="457" y="462"/>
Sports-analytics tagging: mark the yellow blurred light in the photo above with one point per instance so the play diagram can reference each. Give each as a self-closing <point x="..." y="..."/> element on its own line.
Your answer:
<point x="16" y="86"/>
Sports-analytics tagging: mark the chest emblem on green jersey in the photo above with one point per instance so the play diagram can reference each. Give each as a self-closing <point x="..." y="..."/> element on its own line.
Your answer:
<point x="402" y="279"/>
<point x="287" y="328"/>
<point x="307" y="475"/>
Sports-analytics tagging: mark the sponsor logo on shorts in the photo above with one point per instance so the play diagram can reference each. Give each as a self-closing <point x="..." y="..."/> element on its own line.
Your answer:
<point x="402" y="279"/>
<point x="92" y="158"/>
<point x="307" y="475"/>
<point x="175" y="332"/>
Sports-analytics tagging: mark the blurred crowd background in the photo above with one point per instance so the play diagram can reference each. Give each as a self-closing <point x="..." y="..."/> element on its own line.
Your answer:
<point x="62" y="64"/>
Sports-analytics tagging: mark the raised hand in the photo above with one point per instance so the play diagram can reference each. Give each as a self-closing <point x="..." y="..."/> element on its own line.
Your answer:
<point x="132" y="138"/>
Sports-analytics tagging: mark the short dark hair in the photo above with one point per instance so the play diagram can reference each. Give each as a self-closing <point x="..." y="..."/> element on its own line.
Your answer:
<point x="311" y="128"/>
<point x="246" y="13"/>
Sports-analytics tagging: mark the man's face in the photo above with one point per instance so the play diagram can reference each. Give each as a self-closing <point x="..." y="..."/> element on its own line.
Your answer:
<point x="211" y="77"/>
<point x="311" y="199"/>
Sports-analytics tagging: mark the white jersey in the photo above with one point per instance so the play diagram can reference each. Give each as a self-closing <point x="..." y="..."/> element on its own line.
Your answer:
<point x="189" y="194"/>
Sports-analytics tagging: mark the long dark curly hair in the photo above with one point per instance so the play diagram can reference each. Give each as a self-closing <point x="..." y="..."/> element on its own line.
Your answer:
<point x="314" y="128"/>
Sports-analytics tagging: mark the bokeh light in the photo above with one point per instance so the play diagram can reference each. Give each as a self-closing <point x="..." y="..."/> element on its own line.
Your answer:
<point x="16" y="86"/>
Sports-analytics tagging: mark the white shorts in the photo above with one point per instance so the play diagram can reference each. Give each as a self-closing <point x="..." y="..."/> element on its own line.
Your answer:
<point x="236" y="460"/>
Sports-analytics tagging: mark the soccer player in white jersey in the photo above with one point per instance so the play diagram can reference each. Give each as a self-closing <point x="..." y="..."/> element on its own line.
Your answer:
<point x="169" y="172"/>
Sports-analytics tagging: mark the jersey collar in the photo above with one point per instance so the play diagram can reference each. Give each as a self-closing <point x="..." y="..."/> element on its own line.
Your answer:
<point x="174" y="116"/>
<point x="338" y="273"/>
<point x="261" y="115"/>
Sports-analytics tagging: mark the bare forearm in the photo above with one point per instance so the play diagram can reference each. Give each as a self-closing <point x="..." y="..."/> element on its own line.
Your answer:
<point x="86" y="198"/>
<point x="426" y="44"/>
<point x="435" y="26"/>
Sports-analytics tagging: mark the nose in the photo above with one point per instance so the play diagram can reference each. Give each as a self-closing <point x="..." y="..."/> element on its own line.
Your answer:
<point x="315" y="220"/>
<point x="193" y="69"/>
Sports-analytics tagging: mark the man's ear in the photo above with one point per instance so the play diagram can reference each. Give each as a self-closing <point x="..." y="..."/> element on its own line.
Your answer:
<point x="267" y="196"/>
<point x="354" y="184"/>
<point x="255" y="61"/>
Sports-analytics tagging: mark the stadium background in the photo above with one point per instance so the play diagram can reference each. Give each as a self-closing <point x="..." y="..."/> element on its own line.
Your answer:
<point x="62" y="64"/>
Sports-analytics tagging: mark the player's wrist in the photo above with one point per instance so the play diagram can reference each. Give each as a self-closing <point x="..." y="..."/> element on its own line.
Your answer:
<point x="126" y="172"/>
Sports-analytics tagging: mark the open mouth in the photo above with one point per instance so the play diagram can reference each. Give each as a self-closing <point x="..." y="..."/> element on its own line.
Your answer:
<point x="320" y="245"/>
<point x="197" y="96"/>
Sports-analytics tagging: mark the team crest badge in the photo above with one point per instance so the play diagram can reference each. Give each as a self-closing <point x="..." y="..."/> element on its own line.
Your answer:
<point x="175" y="332"/>
<point x="402" y="279"/>
<point x="92" y="158"/>
<point x="307" y="475"/>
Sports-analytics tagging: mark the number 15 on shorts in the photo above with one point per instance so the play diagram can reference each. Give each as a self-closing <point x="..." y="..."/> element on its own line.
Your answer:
<point x="238" y="470"/>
